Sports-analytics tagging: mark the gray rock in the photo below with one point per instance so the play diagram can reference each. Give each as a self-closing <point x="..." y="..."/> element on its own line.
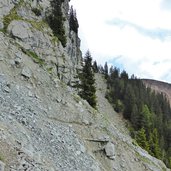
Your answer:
<point x="2" y="166"/>
<point x="5" y="6"/>
<point x="7" y="88"/>
<point x="110" y="150"/>
<point x="26" y="72"/>
<point x="18" y="58"/>
<point x="20" y="29"/>
<point x="15" y="1"/>
<point x="1" y="25"/>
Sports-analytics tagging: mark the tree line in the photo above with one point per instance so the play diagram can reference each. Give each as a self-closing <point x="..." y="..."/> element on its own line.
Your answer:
<point x="149" y="112"/>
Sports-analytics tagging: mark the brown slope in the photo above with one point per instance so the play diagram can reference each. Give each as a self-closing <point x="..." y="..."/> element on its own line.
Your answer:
<point x="159" y="86"/>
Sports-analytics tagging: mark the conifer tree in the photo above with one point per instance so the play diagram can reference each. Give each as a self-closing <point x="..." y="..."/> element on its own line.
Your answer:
<point x="56" y="21"/>
<point x="145" y="118"/>
<point x="106" y="70"/>
<point x="135" y="117"/>
<point x="154" y="144"/>
<point x="129" y="101"/>
<point x="73" y="22"/>
<point x="141" y="139"/>
<point x="88" y="90"/>
<point x="95" y="67"/>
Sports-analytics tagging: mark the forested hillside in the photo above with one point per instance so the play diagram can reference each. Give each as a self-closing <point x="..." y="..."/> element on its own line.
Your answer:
<point x="149" y="112"/>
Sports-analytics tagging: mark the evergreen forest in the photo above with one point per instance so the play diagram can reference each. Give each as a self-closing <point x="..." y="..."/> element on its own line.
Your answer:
<point x="148" y="112"/>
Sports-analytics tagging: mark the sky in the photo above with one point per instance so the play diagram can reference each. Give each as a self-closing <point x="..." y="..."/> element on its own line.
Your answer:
<point x="134" y="35"/>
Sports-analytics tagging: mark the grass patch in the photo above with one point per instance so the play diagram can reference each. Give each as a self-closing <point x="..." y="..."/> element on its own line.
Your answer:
<point x="2" y="158"/>
<point x="54" y="40"/>
<point x="50" y="70"/>
<point x="77" y="98"/>
<point x="38" y="25"/>
<point x="12" y="15"/>
<point x="2" y="30"/>
<point x="34" y="56"/>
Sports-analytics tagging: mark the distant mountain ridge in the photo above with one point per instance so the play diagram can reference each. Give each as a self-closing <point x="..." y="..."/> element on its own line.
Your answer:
<point x="159" y="86"/>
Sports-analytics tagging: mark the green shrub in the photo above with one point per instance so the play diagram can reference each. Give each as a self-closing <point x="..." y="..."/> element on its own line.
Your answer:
<point x="34" y="56"/>
<point x="1" y="157"/>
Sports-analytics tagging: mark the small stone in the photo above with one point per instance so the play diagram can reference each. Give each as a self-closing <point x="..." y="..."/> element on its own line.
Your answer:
<point x="122" y="165"/>
<point x="78" y="153"/>
<point x="112" y="157"/>
<point x="30" y="94"/>
<point x="17" y="61"/>
<point x="7" y="88"/>
<point x="136" y="159"/>
<point x="26" y="72"/>
<point x="24" y="121"/>
<point x="83" y="149"/>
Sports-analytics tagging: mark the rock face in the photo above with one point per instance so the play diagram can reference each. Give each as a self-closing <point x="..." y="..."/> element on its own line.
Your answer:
<point x="31" y="33"/>
<point x="44" y="124"/>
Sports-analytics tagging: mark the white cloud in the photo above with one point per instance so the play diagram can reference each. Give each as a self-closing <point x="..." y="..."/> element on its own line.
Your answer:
<point x="141" y="53"/>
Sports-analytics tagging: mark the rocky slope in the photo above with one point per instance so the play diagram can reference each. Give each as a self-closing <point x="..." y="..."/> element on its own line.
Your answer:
<point x="44" y="124"/>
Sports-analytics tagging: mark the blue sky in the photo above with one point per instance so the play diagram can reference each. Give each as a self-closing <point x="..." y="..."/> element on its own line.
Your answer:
<point x="131" y="34"/>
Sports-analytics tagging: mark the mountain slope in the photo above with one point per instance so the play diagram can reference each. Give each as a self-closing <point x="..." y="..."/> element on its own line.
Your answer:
<point x="160" y="87"/>
<point x="48" y="127"/>
<point x="44" y="124"/>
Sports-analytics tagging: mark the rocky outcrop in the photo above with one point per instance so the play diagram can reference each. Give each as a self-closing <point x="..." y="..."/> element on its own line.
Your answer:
<point x="31" y="33"/>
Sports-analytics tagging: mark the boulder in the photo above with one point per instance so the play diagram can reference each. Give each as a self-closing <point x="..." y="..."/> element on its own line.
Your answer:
<point x="26" y="72"/>
<point x="20" y="29"/>
<point x="110" y="150"/>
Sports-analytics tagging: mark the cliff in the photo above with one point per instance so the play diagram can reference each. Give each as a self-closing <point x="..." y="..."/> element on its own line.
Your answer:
<point x="44" y="124"/>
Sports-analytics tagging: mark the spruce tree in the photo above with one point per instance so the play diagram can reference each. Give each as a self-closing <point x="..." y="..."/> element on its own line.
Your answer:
<point x="135" y="117"/>
<point x="73" y="22"/>
<point x="95" y="67"/>
<point x="56" y="21"/>
<point x="88" y="90"/>
<point x="106" y="70"/>
<point x="141" y="139"/>
<point x="154" y="144"/>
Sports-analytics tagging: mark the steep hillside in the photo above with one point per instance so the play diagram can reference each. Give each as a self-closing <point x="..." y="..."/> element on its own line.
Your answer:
<point x="44" y="124"/>
<point x="158" y="86"/>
